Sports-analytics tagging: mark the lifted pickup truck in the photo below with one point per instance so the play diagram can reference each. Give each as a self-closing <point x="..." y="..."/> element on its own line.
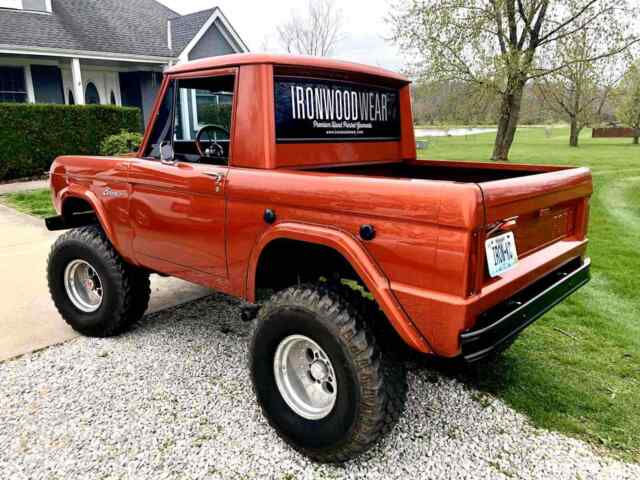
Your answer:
<point x="298" y="177"/>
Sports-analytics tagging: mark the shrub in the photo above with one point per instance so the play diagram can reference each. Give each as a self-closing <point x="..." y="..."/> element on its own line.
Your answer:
<point x="216" y="115"/>
<point x="33" y="135"/>
<point x="123" y="142"/>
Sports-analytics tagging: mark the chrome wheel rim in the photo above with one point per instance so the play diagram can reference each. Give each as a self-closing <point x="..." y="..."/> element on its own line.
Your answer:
<point x="305" y="377"/>
<point x="83" y="286"/>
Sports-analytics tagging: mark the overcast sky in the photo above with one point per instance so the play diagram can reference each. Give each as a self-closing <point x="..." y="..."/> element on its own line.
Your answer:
<point x="256" y="21"/>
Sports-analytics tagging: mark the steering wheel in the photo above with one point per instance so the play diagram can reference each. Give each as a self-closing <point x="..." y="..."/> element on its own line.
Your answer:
<point x="206" y="142"/>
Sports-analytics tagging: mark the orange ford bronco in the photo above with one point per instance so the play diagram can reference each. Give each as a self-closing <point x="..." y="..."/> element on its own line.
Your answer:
<point x="292" y="183"/>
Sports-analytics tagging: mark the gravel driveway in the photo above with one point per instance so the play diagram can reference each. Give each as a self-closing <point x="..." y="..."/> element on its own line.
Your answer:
<point x="173" y="400"/>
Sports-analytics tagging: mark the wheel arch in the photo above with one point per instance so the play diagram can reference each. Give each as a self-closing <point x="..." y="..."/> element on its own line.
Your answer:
<point x="348" y="249"/>
<point x="74" y="201"/>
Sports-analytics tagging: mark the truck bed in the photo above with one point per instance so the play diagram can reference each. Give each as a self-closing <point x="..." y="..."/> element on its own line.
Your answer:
<point x="541" y="205"/>
<point x="467" y="172"/>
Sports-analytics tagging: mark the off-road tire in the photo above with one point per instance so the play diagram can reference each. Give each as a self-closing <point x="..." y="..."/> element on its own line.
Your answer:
<point x="394" y="351"/>
<point x="141" y="286"/>
<point x="121" y="304"/>
<point x="360" y="415"/>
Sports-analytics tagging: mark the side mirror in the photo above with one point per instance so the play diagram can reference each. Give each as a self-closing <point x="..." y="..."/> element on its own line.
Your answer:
<point x="167" y="155"/>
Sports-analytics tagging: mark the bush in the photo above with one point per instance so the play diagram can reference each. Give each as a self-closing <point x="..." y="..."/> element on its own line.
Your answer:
<point x="216" y="115"/>
<point x="33" y="135"/>
<point x="120" y="144"/>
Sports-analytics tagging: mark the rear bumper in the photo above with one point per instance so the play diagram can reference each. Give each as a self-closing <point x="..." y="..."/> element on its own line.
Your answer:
<point x="497" y="327"/>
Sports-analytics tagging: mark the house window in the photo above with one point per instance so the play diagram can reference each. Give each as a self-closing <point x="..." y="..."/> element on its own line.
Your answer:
<point x="36" y="5"/>
<point x="72" y="100"/>
<point x="91" y="95"/>
<point x="13" y="85"/>
<point x="113" y="98"/>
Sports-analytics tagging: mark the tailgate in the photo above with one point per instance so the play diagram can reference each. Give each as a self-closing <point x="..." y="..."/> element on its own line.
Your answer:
<point x="540" y="209"/>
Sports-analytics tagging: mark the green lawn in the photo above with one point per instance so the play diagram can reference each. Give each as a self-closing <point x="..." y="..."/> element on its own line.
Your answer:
<point x="36" y="202"/>
<point x="585" y="381"/>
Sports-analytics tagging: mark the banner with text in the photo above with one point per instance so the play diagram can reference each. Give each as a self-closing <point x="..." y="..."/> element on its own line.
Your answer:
<point x="313" y="110"/>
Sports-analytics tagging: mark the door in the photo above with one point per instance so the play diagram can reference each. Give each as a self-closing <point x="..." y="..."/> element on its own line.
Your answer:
<point x="178" y="187"/>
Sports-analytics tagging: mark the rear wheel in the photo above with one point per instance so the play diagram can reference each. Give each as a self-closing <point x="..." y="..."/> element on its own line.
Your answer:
<point x="94" y="290"/>
<point x="318" y="374"/>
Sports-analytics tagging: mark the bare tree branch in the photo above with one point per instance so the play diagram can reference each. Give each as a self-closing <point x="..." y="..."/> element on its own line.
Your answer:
<point x="317" y="32"/>
<point x="570" y="20"/>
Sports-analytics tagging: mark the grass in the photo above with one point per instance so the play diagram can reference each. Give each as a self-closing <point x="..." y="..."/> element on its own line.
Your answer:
<point x="35" y="202"/>
<point x="577" y="370"/>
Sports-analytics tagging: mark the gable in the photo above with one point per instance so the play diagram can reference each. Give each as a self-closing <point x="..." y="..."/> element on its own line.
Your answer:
<point x="213" y="43"/>
<point x="215" y="36"/>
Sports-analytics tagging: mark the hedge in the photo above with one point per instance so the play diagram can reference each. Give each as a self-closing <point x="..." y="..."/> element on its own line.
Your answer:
<point x="33" y="135"/>
<point x="215" y="114"/>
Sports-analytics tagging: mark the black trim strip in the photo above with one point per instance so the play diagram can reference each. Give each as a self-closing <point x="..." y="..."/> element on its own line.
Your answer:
<point x="65" y="223"/>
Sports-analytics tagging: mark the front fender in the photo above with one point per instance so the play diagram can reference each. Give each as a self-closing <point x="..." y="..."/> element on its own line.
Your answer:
<point x="83" y="193"/>
<point x="113" y="220"/>
<point x="351" y="250"/>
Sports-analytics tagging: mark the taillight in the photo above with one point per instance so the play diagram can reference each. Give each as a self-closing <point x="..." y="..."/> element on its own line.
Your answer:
<point x="474" y="260"/>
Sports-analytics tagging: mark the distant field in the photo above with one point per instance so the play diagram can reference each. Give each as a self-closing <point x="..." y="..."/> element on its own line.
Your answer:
<point x="577" y="370"/>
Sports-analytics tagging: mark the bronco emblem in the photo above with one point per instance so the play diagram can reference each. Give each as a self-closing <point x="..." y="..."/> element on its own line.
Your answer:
<point x="113" y="193"/>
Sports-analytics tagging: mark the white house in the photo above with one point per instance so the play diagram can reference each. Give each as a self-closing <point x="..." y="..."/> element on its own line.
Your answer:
<point x="101" y="51"/>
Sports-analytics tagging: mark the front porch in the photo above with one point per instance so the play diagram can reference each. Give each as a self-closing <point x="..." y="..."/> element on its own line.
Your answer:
<point x="71" y="80"/>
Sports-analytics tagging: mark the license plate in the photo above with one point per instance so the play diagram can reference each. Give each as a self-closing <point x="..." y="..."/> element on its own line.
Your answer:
<point x="501" y="254"/>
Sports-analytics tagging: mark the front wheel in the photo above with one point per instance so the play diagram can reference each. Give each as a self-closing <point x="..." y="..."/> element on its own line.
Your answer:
<point x="317" y="374"/>
<point x="94" y="290"/>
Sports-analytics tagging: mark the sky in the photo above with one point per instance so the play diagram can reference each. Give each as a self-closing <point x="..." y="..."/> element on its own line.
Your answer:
<point x="256" y="20"/>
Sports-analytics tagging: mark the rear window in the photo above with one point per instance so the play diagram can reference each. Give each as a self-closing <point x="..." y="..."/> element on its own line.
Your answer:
<point x="332" y="110"/>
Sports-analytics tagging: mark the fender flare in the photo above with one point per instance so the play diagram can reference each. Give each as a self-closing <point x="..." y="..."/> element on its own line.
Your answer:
<point x="356" y="255"/>
<point x="87" y="195"/>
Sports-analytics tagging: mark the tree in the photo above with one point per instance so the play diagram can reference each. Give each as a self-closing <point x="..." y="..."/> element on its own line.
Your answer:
<point x="316" y="32"/>
<point x="580" y="91"/>
<point x="439" y="103"/>
<point x="498" y="43"/>
<point x="628" y="110"/>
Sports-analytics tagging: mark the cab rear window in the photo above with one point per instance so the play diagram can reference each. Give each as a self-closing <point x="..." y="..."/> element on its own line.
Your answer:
<point x="331" y="110"/>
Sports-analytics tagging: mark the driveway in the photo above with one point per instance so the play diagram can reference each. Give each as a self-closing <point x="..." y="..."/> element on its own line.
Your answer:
<point x="28" y="319"/>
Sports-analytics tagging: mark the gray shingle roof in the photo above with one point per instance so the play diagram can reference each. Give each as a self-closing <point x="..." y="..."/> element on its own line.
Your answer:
<point x="184" y="28"/>
<point x="136" y="27"/>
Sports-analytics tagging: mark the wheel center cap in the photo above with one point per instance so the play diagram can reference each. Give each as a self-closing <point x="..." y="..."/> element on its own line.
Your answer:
<point x="318" y="370"/>
<point x="88" y="284"/>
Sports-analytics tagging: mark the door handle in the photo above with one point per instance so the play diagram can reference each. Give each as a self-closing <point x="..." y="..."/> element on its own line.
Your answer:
<point x="218" y="177"/>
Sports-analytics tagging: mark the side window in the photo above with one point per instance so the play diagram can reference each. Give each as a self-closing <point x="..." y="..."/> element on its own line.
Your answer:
<point x="12" y="85"/>
<point x="203" y="119"/>
<point x="162" y="124"/>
